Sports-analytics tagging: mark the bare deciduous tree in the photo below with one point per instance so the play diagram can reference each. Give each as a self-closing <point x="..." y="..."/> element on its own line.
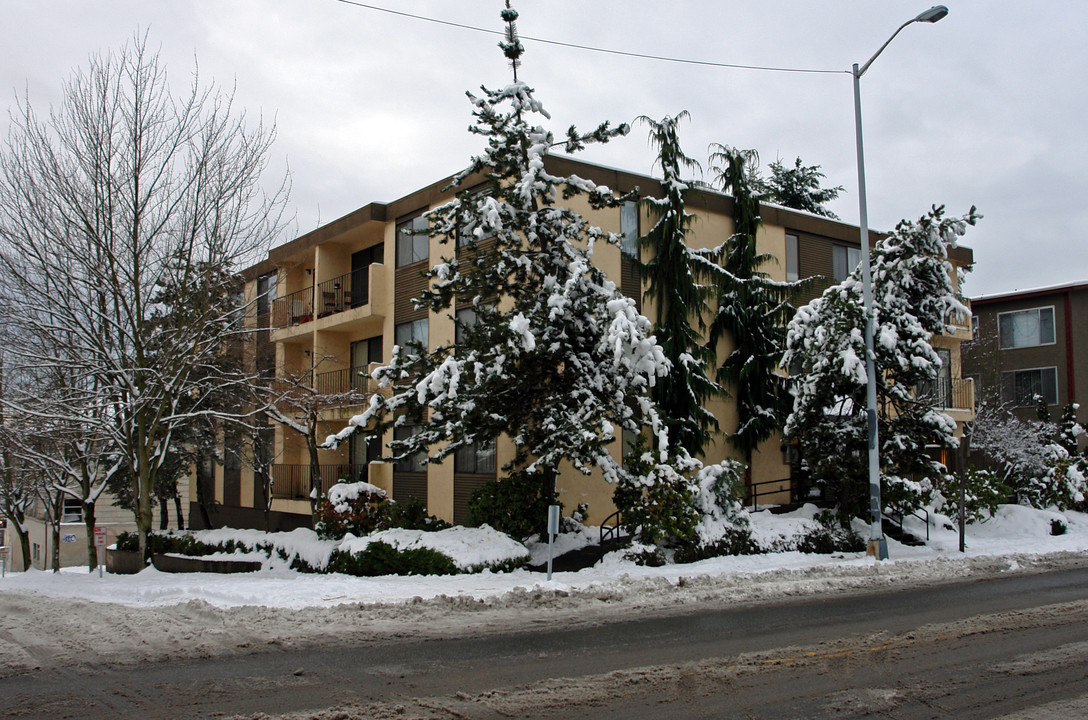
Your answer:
<point x="124" y="216"/>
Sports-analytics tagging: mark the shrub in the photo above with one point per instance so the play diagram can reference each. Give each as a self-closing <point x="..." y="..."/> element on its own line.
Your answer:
<point x="515" y="505"/>
<point x="984" y="490"/>
<point x="379" y="558"/>
<point x="410" y="514"/>
<point x="832" y="533"/>
<point x="679" y="502"/>
<point x="348" y="508"/>
<point x="1057" y="527"/>
<point x="737" y="540"/>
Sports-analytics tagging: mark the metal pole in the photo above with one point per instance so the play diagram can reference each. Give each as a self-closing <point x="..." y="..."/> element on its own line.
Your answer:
<point x="878" y="546"/>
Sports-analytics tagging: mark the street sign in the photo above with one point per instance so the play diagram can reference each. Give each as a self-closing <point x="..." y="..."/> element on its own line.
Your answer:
<point x="100" y="537"/>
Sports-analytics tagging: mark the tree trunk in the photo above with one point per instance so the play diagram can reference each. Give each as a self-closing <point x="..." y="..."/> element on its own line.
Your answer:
<point x="164" y="513"/>
<point x="89" y="522"/>
<point x="177" y="511"/>
<point x="315" y="475"/>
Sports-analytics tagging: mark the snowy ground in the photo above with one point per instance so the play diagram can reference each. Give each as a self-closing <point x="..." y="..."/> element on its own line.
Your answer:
<point x="51" y="619"/>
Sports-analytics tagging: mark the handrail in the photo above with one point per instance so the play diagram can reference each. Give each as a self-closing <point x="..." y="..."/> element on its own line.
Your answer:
<point x="611" y="531"/>
<point x="342" y="382"/>
<point x="753" y="494"/>
<point x="293" y="309"/>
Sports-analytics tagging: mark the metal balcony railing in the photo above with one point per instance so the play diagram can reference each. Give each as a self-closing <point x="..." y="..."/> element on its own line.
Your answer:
<point x="945" y="394"/>
<point x="342" y="293"/>
<point x="342" y="382"/>
<point x="293" y="309"/>
<point x="292" y="482"/>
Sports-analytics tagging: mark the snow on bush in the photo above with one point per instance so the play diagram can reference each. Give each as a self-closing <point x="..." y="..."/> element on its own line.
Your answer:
<point x="470" y="549"/>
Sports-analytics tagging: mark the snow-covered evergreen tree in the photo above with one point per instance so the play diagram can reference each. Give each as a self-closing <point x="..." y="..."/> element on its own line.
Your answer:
<point x="556" y="358"/>
<point x="913" y="299"/>
<point x="679" y="280"/>
<point x="798" y="187"/>
<point x="752" y="312"/>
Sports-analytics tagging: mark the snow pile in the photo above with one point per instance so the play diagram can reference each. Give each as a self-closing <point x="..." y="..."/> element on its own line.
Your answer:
<point x="1016" y="537"/>
<point x="469" y="548"/>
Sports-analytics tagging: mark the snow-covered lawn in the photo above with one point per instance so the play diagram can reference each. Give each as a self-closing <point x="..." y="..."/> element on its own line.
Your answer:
<point x="1014" y="531"/>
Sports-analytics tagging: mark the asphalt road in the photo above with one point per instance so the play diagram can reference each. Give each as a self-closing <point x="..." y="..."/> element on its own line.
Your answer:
<point x="977" y="649"/>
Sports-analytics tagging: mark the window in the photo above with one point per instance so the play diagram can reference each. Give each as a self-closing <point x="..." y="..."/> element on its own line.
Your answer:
<point x="974" y="327"/>
<point x="629" y="229"/>
<point x="414" y="463"/>
<point x="793" y="267"/>
<point x="844" y="259"/>
<point x="266" y="293"/>
<point x="1026" y="328"/>
<point x="466" y="319"/>
<point x="73" y="510"/>
<point x="478" y="458"/>
<point x="408" y="333"/>
<point x="412" y="240"/>
<point x="1020" y="387"/>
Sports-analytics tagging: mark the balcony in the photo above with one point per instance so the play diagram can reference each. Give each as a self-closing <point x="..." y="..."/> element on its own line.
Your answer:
<point x="345" y="299"/>
<point x="944" y="394"/>
<point x="348" y="381"/>
<point x="292" y="482"/>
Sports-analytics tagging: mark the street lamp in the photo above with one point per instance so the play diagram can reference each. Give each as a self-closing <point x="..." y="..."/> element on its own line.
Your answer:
<point x="878" y="546"/>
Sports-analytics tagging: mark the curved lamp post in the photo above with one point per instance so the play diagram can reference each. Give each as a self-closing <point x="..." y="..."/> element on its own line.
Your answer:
<point x="878" y="546"/>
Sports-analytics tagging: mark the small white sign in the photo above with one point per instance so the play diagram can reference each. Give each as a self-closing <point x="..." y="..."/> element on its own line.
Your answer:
<point x="100" y="537"/>
<point x="69" y="537"/>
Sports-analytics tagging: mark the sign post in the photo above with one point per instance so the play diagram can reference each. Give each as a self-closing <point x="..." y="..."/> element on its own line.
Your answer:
<point x="3" y="560"/>
<point x="553" y="530"/>
<point x="100" y="547"/>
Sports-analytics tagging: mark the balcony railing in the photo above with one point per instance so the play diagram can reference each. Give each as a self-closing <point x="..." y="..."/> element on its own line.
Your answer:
<point x="292" y="482"/>
<point x="342" y="293"/>
<point x="293" y="309"/>
<point x="342" y="382"/>
<point x="945" y="394"/>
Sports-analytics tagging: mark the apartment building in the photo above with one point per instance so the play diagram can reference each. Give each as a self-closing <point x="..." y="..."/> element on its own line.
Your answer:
<point x="1031" y="342"/>
<point x="334" y="302"/>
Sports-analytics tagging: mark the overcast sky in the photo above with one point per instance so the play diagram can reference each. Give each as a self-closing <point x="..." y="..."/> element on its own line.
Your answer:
<point x="985" y="107"/>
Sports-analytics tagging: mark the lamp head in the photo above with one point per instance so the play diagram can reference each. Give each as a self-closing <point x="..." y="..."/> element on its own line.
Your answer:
<point x="932" y="15"/>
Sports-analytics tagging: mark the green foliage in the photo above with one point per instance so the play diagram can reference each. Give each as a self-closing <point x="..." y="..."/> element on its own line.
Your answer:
<point x="516" y="505"/>
<point x="983" y="491"/>
<point x="380" y="558"/>
<point x="752" y="311"/>
<point x="410" y="514"/>
<point x="798" y="187"/>
<point x="180" y="543"/>
<point x="667" y="502"/>
<point x="832" y="533"/>
<point x="679" y="280"/>
<point x="913" y="299"/>
<point x="655" y="507"/>
<point x="737" y="540"/>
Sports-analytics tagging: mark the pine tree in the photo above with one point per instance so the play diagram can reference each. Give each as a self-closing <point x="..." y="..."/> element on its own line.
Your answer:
<point x="798" y="187"/>
<point x="752" y="312"/>
<point x="679" y="281"/>
<point x="557" y="358"/>
<point x="913" y="299"/>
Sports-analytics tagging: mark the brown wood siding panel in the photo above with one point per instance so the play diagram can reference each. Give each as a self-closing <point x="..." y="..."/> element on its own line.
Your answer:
<point x="463" y="487"/>
<point x="409" y="485"/>
<point x="814" y="260"/>
<point x="631" y="281"/>
<point x="409" y="284"/>
<point x="484" y="250"/>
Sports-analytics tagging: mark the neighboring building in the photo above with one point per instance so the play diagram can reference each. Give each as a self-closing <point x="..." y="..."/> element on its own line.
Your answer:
<point x="1028" y="343"/>
<point x="335" y="301"/>
<point x="73" y="530"/>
